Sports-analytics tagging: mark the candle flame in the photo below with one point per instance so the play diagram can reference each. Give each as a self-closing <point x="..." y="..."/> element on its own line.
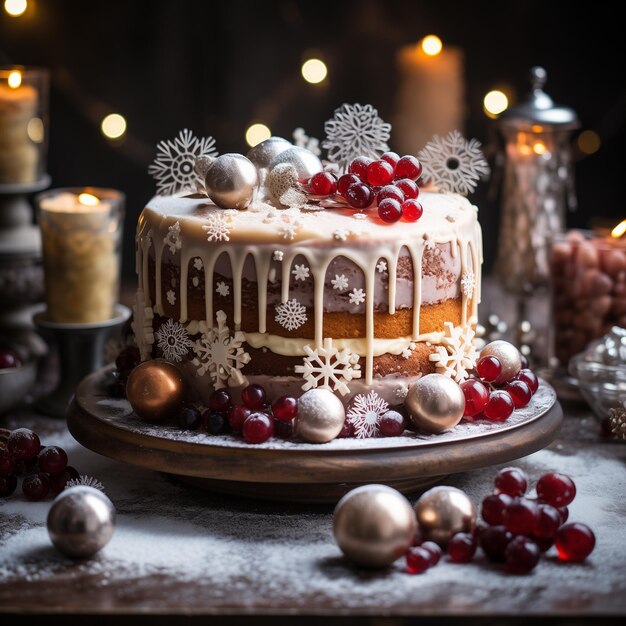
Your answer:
<point x="619" y="230"/>
<point x="88" y="199"/>
<point x="15" y="79"/>
<point x="431" y="45"/>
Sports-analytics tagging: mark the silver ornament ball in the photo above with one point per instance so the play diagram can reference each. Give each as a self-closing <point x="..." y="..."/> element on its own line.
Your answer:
<point x="435" y="403"/>
<point x="81" y="522"/>
<point x="509" y="358"/>
<point x="374" y="525"/>
<point x="320" y="417"/>
<point x="231" y="180"/>
<point x="263" y="153"/>
<point x="305" y="162"/>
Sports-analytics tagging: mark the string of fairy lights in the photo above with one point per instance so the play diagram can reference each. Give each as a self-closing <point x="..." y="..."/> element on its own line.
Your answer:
<point x="314" y="71"/>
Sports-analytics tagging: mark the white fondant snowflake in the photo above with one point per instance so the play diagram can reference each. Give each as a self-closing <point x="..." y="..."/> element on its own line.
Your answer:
<point x="340" y="282"/>
<point x="291" y="314"/>
<point x="142" y="325"/>
<point x="364" y="414"/>
<point x="197" y="263"/>
<point x="171" y="297"/>
<point x="195" y="281"/>
<point x="453" y="163"/>
<point x="288" y="231"/>
<point x="467" y="284"/>
<point x="173" y="239"/>
<point x="174" y="165"/>
<point x="219" y="353"/>
<point x="300" y="272"/>
<point x="173" y="341"/>
<point x="341" y="234"/>
<point x="84" y="481"/>
<point x="357" y="296"/>
<point x="457" y="353"/>
<point x="382" y="266"/>
<point x="217" y="228"/>
<point x="222" y="289"/>
<point x="401" y="392"/>
<point x="278" y="255"/>
<point x="329" y="368"/>
<point x="408" y="351"/>
<point x="355" y="130"/>
<point x="302" y="140"/>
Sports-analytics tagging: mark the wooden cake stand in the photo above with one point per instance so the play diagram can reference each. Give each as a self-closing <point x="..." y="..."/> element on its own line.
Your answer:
<point x="289" y="470"/>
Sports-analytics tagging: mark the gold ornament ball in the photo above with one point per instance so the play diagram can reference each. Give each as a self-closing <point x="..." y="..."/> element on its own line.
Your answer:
<point x="231" y="180"/>
<point x="155" y="390"/>
<point x="435" y="403"/>
<point x="320" y="417"/>
<point x="374" y="525"/>
<point x="442" y="512"/>
<point x="509" y="358"/>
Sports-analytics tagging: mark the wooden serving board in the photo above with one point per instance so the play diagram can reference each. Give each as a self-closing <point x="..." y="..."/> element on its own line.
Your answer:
<point x="296" y="471"/>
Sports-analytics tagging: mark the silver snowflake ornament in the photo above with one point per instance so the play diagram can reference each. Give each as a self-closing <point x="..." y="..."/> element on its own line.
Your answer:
<point x="291" y="314"/>
<point x="364" y="414"/>
<point x="173" y="341"/>
<point x="174" y="169"/>
<point x="355" y="130"/>
<point x="452" y="163"/>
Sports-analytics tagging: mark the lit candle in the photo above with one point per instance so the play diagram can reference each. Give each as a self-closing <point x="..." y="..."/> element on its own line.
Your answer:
<point x="19" y="102"/>
<point x="81" y="234"/>
<point x="431" y="98"/>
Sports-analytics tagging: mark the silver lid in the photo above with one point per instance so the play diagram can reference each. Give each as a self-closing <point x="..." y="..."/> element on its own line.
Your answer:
<point x="539" y="108"/>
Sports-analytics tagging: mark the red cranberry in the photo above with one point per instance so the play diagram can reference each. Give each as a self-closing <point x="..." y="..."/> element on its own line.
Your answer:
<point x="412" y="210"/>
<point x="524" y="361"/>
<point x="392" y="158"/>
<point x="488" y="368"/>
<point x="347" y="430"/>
<point x="512" y="481"/>
<point x="499" y="406"/>
<point x="237" y="416"/>
<point x="379" y="173"/>
<point x="213" y="423"/>
<point x="408" y="167"/>
<point x="188" y="418"/>
<point x="7" y="463"/>
<point x="544" y="543"/>
<point x="494" y="541"/>
<point x="521" y="517"/>
<point x="8" y="485"/>
<point x="285" y="408"/>
<point x="389" y="210"/>
<point x="417" y="560"/>
<point x="253" y="396"/>
<point x="390" y="191"/>
<point x="358" y="167"/>
<point x="522" y="555"/>
<point x="520" y="393"/>
<point x="408" y="187"/>
<point x="433" y="549"/>
<point x="549" y="522"/>
<point x="220" y="400"/>
<point x="556" y="489"/>
<point x="58" y="481"/>
<point x="52" y="459"/>
<point x="359" y="196"/>
<point x="530" y="378"/>
<point x="492" y="508"/>
<point x="564" y="513"/>
<point x="23" y="444"/>
<point x="323" y="184"/>
<point x="257" y="428"/>
<point x="476" y="396"/>
<point x="36" y="486"/>
<point x="344" y="183"/>
<point x="8" y="360"/>
<point x="391" y="424"/>
<point x="462" y="547"/>
<point x="574" y="542"/>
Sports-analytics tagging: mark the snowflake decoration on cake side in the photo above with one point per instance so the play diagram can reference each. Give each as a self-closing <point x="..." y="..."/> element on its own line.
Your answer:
<point x="340" y="282"/>
<point x="382" y="266"/>
<point x="219" y="354"/>
<point x="85" y="481"/>
<point x="364" y="414"/>
<point x="290" y="315"/>
<point x="355" y="130"/>
<point x="142" y="325"/>
<point x="288" y="230"/>
<point x="278" y="255"/>
<point x="468" y="282"/>
<point x="328" y="368"/>
<point x="407" y="353"/>
<point x="173" y="239"/>
<point x="171" y="297"/>
<point x="453" y="164"/>
<point x="195" y="281"/>
<point x="357" y="296"/>
<point x="217" y="228"/>
<point x="198" y="264"/>
<point x="302" y="140"/>
<point x="174" y="166"/>
<point x="300" y="272"/>
<point x="222" y="289"/>
<point x="173" y="341"/>
<point x="457" y="353"/>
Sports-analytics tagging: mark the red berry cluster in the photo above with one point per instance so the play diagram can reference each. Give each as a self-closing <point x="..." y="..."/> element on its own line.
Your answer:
<point x="254" y="418"/>
<point x="9" y="360"/>
<point x="517" y="528"/>
<point x="44" y="468"/>
<point x="390" y="181"/>
<point x="485" y="400"/>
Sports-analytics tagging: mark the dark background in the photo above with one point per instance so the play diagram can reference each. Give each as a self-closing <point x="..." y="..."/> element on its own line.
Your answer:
<point x="215" y="67"/>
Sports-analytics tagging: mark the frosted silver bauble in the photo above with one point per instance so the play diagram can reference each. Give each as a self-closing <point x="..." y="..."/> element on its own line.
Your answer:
<point x="231" y="181"/>
<point x="305" y="162"/>
<point x="263" y="153"/>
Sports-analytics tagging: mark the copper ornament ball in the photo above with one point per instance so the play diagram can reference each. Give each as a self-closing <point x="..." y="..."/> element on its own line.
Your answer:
<point x="155" y="390"/>
<point x="442" y="512"/>
<point x="509" y="358"/>
<point x="320" y="417"/>
<point x="374" y="525"/>
<point x="435" y="403"/>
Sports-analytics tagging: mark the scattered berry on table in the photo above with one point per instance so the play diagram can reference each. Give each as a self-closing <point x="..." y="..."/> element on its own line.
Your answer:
<point x="418" y="560"/>
<point x="512" y="481"/>
<point x="522" y="555"/>
<point x="574" y="542"/>
<point x="556" y="489"/>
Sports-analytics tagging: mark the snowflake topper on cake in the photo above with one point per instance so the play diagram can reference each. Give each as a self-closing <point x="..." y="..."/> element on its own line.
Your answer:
<point x="355" y="130"/>
<point x="174" y="168"/>
<point x="453" y="163"/>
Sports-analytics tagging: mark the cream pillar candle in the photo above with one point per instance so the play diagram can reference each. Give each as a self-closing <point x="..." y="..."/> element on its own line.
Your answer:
<point x="81" y="235"/>
<point x="431" y="94"/>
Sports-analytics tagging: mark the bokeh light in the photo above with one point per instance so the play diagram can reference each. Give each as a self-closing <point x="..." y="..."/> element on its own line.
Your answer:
<point x="15" y="8"/>
<point x="588" y="142"/>
<point x="431" y="45"/>
<point x="495" y="102"/>
<point x="14" y="79"/>
<point x="314" y="71"/>
<point x="88" y="199"/>
<point x="35" y="130"/>
<point x="257" y="133"/>
<point x="113" y="126"/>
